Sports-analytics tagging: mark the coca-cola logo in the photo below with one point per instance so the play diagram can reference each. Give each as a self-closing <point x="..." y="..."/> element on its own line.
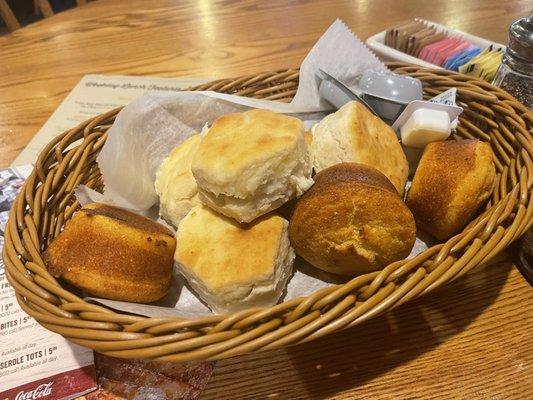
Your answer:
<point x="40" y="391"/>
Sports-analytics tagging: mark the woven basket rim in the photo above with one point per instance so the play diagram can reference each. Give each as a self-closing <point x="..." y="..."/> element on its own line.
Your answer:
<point x="46" y="202"/>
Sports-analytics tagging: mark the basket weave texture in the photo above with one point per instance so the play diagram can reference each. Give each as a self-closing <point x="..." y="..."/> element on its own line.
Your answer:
<point x="46" y="202"/>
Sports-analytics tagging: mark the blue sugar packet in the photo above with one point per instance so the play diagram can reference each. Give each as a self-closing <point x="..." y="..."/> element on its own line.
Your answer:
<point x="454" y="57"/>
<point x="460" y="59"/>
<point x="466" y="58"/>
<point x="451" y="60"/>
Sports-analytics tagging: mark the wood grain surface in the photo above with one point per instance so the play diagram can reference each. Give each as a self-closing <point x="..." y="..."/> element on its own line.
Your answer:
<point x="470" y="340"/>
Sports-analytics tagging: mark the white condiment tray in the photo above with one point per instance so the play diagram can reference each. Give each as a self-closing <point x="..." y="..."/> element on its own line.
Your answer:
<point x="376" y="43"/>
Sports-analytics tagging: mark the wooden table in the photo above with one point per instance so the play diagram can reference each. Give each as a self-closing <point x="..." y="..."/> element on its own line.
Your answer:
<point x="470" y="340"/>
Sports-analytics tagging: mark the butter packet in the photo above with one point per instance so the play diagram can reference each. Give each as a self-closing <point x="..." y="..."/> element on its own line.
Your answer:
<point x="423" y="122"/>
<point x="442" y="102"/>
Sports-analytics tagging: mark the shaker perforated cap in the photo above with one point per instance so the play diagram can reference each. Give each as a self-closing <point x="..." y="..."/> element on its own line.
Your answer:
<point x="521" y="39"/>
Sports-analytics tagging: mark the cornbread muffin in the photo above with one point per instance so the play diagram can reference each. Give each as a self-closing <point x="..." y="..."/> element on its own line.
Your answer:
<point x="250" y="163"/>
<point x="175" y="185"/>
<point x="354" y="134"/>
<point x="351" y="221"/>
<point x="113" y="253"/>
<point x="452" y="181"/>
<point x="232" y="266"/>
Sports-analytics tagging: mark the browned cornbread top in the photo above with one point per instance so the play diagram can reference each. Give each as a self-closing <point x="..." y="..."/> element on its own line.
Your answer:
<point x="113" y="253"/>
<point x="355" y="173"/>
<point x="125" y="217"/>
<point x="451" y="182"/>
<point x="351" y="221"/>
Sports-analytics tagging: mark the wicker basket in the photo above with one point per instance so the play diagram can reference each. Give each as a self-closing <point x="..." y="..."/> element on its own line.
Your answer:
<point x="46" y="201"/>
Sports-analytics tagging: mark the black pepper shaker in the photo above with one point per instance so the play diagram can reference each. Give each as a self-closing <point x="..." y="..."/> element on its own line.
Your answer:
<point x="515" y="74"/>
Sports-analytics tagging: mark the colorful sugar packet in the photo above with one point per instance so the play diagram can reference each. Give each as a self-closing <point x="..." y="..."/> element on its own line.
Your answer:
<point x="436" y="45"/>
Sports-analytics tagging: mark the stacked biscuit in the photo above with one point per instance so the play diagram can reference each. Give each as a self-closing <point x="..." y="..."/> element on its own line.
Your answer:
<point x="220" y="189"/>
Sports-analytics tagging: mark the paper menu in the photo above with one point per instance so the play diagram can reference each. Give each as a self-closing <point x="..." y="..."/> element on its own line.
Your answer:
<point x="92" y="96"/>
<point x="35" y="363"/>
